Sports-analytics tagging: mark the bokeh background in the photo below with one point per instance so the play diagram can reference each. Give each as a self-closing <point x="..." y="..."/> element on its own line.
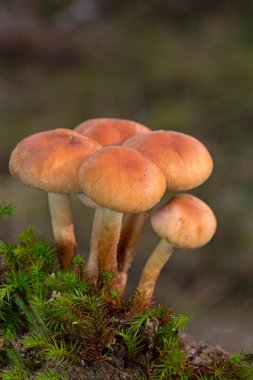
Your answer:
<point x="181" y="65"/>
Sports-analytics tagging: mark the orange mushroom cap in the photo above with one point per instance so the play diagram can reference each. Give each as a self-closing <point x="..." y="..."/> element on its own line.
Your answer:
<point x="185" y="161"/>
<point x="121" y="179"/>
<point x="185" y="222"/>
<point x="109" y="131"/>
<point x="50" y="160"/>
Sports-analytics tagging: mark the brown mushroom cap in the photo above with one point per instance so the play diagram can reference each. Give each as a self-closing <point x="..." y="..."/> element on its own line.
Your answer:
<point x="121" y="179"/>
<point x="108" y="131"/>
<point x="50" y="160"/>
<point x="185" y="161"/>
<point x="185" y="222"/>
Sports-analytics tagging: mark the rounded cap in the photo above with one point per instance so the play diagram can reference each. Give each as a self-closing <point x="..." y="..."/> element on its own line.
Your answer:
<point x="185" y="222"/>
<point x="110" y="131"/>
<point x="121" y="179"/>
<point x="51" y="160"/>
<point x="185" y="161"/>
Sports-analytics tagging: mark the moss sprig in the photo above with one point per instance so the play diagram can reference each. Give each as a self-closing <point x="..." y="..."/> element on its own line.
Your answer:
<point x="7" y="209"/>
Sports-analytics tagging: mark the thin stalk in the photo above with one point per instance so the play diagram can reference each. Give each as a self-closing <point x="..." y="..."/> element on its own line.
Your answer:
<point x="154" y="265"/>
<point x="92" y="263"/>
<point x="130" y="233"/>
<point x="108" y="243"/>
<point x="63" y="227"/>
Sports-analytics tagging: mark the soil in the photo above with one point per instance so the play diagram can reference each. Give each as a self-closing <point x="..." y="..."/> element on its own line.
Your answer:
<point x="113" y="366"/>
<point x="199" y="354"/>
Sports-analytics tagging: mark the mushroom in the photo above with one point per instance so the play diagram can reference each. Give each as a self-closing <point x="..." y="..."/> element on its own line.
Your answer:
<point x="121" y="180"/>
<point x="106" y="131"/>
<point x="50" y="161"/>
<point x="186" y="164"/>
<point x="184" y="222"/>
<point x="110" y="131"/>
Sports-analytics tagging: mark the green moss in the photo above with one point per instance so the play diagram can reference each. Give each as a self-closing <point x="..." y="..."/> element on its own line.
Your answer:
<point x="52" y="319"/>
<point x="7" y="209"/>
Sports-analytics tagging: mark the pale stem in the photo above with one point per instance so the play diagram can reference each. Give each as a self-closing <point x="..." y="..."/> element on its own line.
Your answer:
<point x="108" y="242"/>
<point x="87" y="201"/>
<point x="131" y="229"/>
<point x="63" y="227"/>
<point x="154" y="265"/>
<point x="92" y="263"/>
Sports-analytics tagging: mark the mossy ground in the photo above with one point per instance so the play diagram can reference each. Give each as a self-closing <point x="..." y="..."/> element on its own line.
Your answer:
<point x="58" y="325"/>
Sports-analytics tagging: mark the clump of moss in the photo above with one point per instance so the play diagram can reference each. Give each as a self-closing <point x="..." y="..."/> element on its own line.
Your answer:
<point x="57" y="325"/>
<point x="7" y="209"/>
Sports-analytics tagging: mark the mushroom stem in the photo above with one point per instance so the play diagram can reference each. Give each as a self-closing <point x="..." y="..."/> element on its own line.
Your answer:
<point x="154" y="265"/>
<point x="131" y="229"/>
<point x="63" y="227"/>
<point x="92" y="263"/>
<point x="108" y="242"/>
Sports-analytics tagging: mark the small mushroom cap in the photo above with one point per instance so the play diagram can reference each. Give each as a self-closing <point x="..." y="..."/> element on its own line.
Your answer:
<point x="110" y="131"/>
<point x="185" y="222"/>
<point x="185" y="161"/>
<point x="51" y="160"/>
<point x="121" y="179"/>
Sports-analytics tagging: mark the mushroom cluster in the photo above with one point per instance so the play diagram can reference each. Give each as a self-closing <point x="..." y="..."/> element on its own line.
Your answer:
<point x="122" y="169"/>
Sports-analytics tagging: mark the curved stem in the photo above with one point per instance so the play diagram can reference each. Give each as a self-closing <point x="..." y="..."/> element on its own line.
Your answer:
<point x="63" y="227"/>
<point x="154" y="265"/>
<point x="92" y="263"/>
<point x="131" y="229"/>
<point x="108" y="242"/>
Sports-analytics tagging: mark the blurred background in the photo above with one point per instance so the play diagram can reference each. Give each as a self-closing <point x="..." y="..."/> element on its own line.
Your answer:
<point x="183" y="65"/>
